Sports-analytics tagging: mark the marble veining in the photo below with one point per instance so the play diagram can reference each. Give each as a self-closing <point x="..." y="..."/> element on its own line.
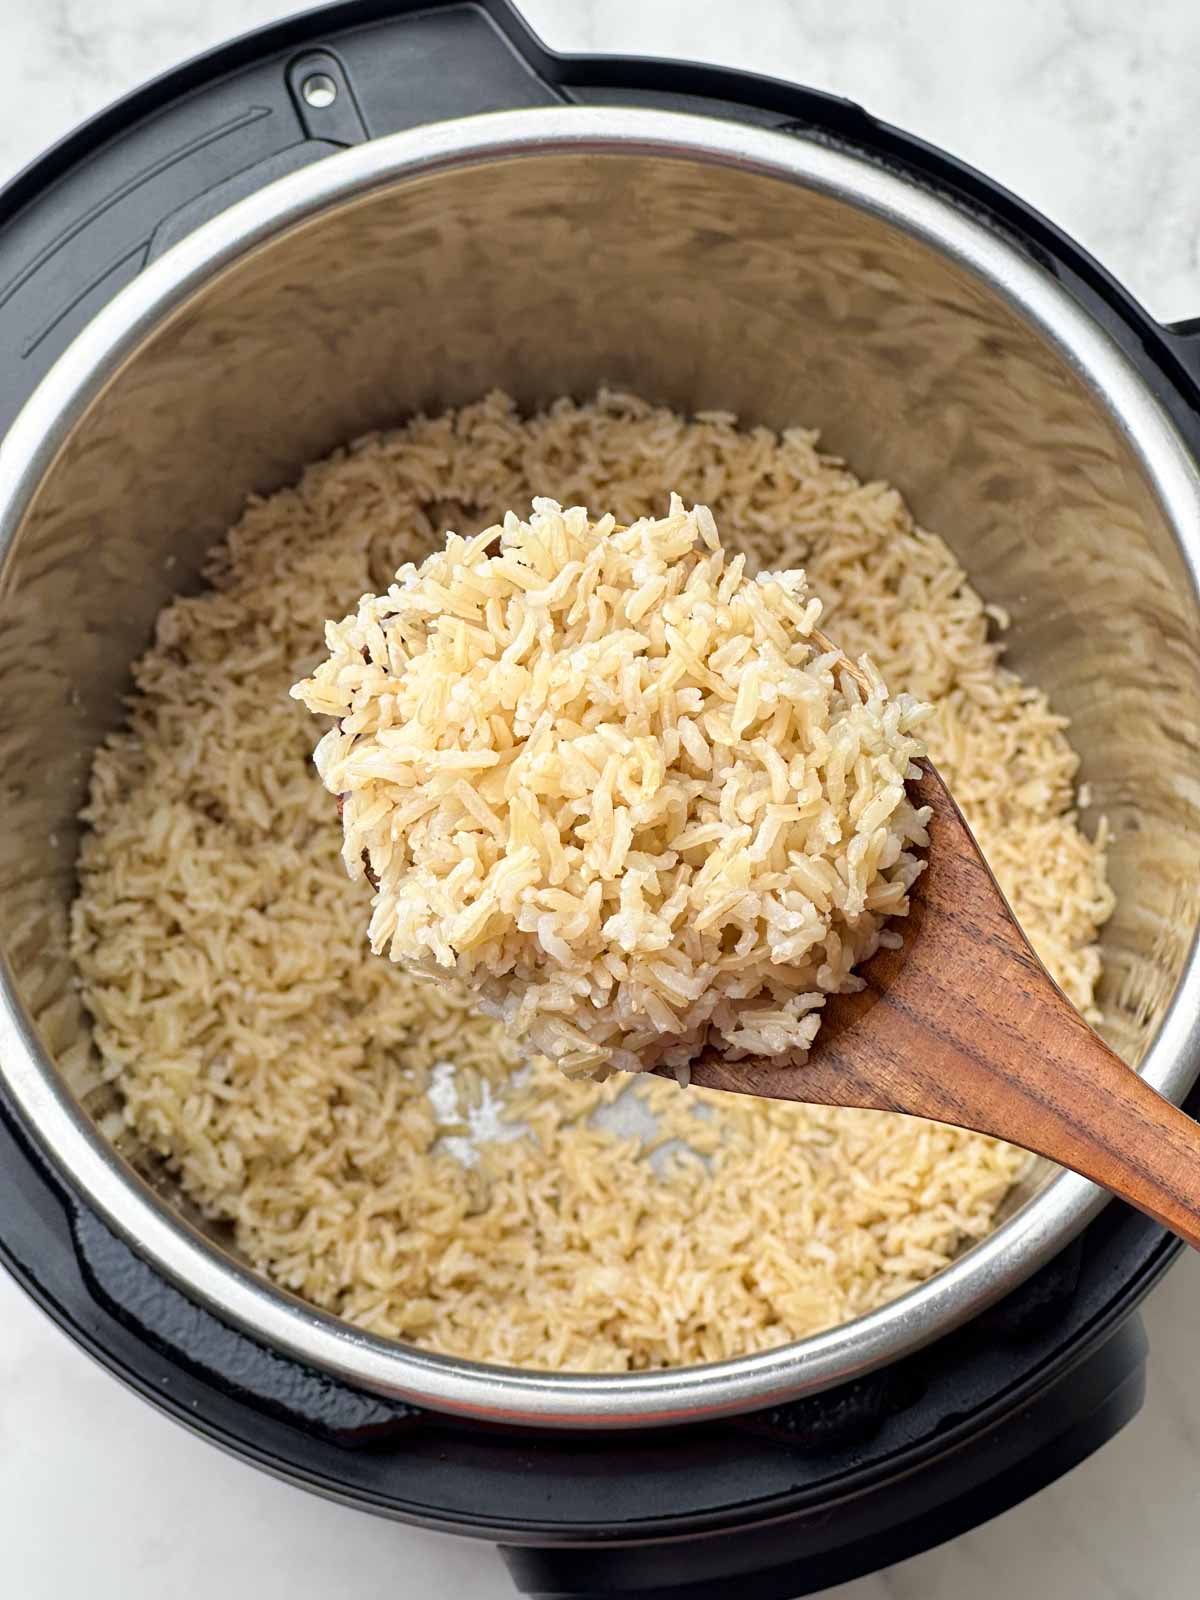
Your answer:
<point x="1088" y="109"/>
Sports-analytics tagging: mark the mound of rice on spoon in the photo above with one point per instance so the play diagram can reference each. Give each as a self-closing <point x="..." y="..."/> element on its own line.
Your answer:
<point x="632" y="798"/>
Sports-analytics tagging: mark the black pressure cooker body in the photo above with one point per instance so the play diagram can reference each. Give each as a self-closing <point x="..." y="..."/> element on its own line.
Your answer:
<point x="783" y="1502"/>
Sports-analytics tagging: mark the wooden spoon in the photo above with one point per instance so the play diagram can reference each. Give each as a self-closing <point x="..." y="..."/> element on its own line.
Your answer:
<point x="965" y="1025"/>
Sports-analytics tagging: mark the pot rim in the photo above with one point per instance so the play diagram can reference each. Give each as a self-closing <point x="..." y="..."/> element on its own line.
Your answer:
<point x="104" y="1181"/>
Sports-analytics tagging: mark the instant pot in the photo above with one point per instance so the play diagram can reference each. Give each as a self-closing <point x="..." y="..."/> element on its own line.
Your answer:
<point x="374" y="209"/>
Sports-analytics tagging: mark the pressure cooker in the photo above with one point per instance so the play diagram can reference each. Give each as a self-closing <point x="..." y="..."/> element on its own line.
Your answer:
<point x="375" y="209"/>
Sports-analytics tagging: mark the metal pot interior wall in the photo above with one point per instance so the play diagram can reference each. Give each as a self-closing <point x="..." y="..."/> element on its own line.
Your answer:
<point x="695" y="284"/>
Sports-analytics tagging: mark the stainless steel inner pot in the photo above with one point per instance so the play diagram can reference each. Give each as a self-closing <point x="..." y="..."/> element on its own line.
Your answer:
<point x="703" y="264"/>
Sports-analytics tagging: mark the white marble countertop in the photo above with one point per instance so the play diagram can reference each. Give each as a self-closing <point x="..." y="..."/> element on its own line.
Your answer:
<point x="1087" y="108"/>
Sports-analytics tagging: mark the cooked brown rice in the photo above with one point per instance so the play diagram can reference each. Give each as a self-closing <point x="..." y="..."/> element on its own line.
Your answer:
<point x="618" y="788"/>
<point x="361" y="1131"/>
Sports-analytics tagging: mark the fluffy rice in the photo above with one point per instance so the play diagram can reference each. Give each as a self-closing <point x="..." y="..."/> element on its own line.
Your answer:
<point x="618" y="788"/>
<point x="285" y="1076"/>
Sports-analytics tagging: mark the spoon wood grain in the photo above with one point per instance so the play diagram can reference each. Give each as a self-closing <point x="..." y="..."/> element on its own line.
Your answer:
<point x="965" y="1025"/>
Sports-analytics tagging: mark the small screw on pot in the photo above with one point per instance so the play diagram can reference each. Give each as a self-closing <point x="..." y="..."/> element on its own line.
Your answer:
<point x="319" y="90"/>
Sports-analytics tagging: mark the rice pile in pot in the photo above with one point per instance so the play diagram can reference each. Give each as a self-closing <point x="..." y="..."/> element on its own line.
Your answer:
<point x="319" y="1100"/>
<point x="618" y="788"/>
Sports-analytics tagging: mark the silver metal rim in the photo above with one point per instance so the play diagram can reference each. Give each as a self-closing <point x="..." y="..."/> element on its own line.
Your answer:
<point x="978" y="1278"/>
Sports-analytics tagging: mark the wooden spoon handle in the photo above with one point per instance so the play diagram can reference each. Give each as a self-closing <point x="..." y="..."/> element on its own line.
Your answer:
<point x="1033" y="1074"/>
<point x="1027" y="1068"/>
<point x="1015" y="1059"/>
<point x="964" y="1025"/>
<point x="1122" y="1134"/>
